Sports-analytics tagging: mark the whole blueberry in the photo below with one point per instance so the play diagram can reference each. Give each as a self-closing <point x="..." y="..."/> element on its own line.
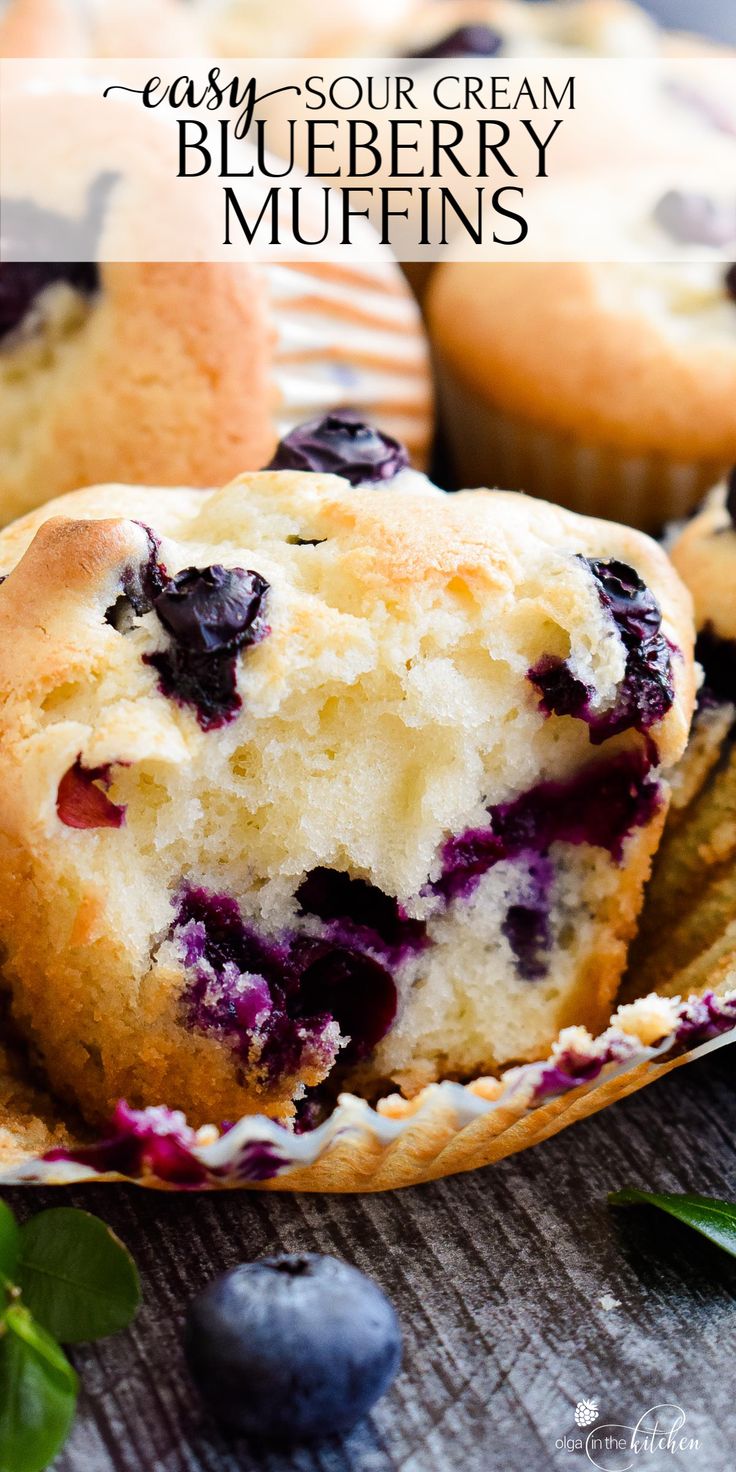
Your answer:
<point x="341" y="444"/>
<point x="293" y="1346"/>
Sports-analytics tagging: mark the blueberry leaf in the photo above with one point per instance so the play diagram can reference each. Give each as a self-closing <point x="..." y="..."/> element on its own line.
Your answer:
<point x="38" y="1394"/>
<point x="76" y="1276"/>
<point x="9" y="1242"/>
<point x="714" y="1219"/>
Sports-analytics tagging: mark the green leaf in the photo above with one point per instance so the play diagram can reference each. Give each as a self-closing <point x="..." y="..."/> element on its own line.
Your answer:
<point x="76" y="1276"/>
<point x="9" y="1241"/>
<point x="38" y="1394"/>
<point x="714" y="1219"/>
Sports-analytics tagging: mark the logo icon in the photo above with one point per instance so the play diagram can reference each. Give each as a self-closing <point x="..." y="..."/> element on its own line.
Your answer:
<point x="586" y="1412"/>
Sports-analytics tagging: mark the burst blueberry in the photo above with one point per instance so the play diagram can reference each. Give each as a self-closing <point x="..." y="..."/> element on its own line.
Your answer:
<point x="341" y="444"/>
<point x="292" y="1347"/>
<point x="298" y="985"/>
<point x="210" y="615"/>
<point x="646" y="692"/>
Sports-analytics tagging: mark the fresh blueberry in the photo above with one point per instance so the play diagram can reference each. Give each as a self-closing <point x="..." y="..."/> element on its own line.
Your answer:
<point x="696" y="219"/>
<point x="729" y="281"/>
<point x="210" y="614"/>
<point x="341" y="444"/>
<point x="292" y="1347"/>
<point x="475" y="40"/>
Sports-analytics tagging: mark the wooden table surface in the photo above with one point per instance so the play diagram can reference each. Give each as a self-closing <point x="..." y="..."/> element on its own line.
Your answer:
<point x="497" y="1277"/>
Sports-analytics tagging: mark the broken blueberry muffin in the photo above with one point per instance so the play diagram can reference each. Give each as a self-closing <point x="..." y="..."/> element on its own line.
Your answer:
<point x="693" y="889"/>
<point x="313" y="781"/>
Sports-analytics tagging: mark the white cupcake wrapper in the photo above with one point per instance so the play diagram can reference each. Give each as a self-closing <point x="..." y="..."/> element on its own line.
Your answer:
<point x="488" y="447"/>
<point x="450" y="1127"/>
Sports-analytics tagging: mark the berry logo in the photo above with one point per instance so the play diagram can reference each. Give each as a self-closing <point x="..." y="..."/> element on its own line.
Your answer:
<point x="586" y="1412"/>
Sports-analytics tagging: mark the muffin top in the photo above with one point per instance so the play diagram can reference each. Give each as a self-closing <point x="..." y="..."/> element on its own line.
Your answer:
<point x="339" y="645"/>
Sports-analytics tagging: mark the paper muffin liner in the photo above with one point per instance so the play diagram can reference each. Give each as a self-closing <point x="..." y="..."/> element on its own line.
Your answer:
<point x="446" y="1129"/>
<point x="488" y="447"/>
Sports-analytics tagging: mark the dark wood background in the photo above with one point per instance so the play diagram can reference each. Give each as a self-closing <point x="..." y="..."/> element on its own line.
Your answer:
<point x="497" y="1277"/>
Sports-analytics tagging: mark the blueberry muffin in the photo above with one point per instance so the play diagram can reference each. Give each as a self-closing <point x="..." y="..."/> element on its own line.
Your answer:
<point x="692" y="896"/>
<point x="609" y="385"/>
<point x="324" y="781"/>
<point x="184" y="374"/>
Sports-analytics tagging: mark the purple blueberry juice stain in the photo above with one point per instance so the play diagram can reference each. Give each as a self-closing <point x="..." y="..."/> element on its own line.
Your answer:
<point x="140" y="1141"/>
<point x="341" y="443"/>
<point x="210" y="615"/>
<point x="526" y="925"/>
<point x="646" y="692"/>
<point x="286" y="994"/>
<point x="600" y="806"/>
<point x="361" y="915"/>
<point x="705" y="1018"/>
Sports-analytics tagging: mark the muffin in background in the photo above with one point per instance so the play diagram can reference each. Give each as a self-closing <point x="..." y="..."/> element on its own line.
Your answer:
<point x="321" y="779"/>
<point x="190" y="373"/>
<point x="692" y="896"/>
<point x="608" y="385"/>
